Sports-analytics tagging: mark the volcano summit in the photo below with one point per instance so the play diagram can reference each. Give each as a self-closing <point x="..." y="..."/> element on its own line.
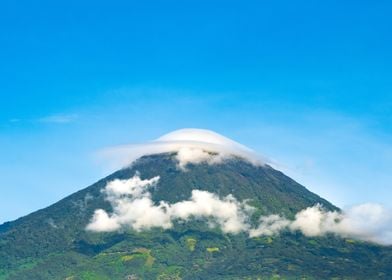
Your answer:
<point x="193" y="204"/>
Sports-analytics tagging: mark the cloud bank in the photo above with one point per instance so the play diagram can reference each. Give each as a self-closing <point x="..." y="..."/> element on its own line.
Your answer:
<point x="133" y="208"/>
<point x="191" y="146"/>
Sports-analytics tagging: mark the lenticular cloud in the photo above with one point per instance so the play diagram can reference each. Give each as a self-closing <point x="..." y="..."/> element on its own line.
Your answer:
<point x="191" y="146"/>
<point x="134" y="209"/>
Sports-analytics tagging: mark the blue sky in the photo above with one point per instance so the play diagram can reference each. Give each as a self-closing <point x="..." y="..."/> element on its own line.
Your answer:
<point x="306" y="83"/>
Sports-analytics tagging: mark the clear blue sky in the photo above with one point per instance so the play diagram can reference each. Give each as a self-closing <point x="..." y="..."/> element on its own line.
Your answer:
<point x="306" y="83"/>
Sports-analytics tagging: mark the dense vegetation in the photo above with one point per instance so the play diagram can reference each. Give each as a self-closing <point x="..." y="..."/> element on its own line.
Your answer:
<point x="52" y="243"/>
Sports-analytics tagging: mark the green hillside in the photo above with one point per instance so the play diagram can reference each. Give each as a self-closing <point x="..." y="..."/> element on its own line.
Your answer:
<point x="53" y="244"/>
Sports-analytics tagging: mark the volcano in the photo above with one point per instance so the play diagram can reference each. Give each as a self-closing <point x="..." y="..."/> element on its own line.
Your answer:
<point x="190" y="205"/>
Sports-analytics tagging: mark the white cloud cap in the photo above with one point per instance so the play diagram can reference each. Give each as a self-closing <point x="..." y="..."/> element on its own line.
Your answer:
<point x="191" y="145"/>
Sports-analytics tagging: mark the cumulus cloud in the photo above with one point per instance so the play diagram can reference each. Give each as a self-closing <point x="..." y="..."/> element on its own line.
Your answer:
<point x="313" y="221"/>
<point x="191" y="146"/>
<point x="135" y="187"/>
<point x="102" y="222"/>
<point x="228" y="213"/>
<point x="133" y="208"/>
<point x="368" y="222"/>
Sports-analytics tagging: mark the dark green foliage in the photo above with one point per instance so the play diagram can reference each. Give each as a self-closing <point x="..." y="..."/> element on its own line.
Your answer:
<point x="52" y="243"/>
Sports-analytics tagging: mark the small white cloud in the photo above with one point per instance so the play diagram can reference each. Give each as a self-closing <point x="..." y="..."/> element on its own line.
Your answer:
<point x="101" y="222"/>
<point x="313" y="221"/>
<point x="134" y="187"/>
<point x="269" y="225"/>
<point x="228" y="213"/>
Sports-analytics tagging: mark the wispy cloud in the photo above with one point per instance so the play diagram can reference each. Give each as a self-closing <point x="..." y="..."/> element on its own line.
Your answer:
<point x="59" y="118"/>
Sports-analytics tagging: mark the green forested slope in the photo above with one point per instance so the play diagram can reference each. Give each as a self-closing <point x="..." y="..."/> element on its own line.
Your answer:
<point x="53" y="244"/>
